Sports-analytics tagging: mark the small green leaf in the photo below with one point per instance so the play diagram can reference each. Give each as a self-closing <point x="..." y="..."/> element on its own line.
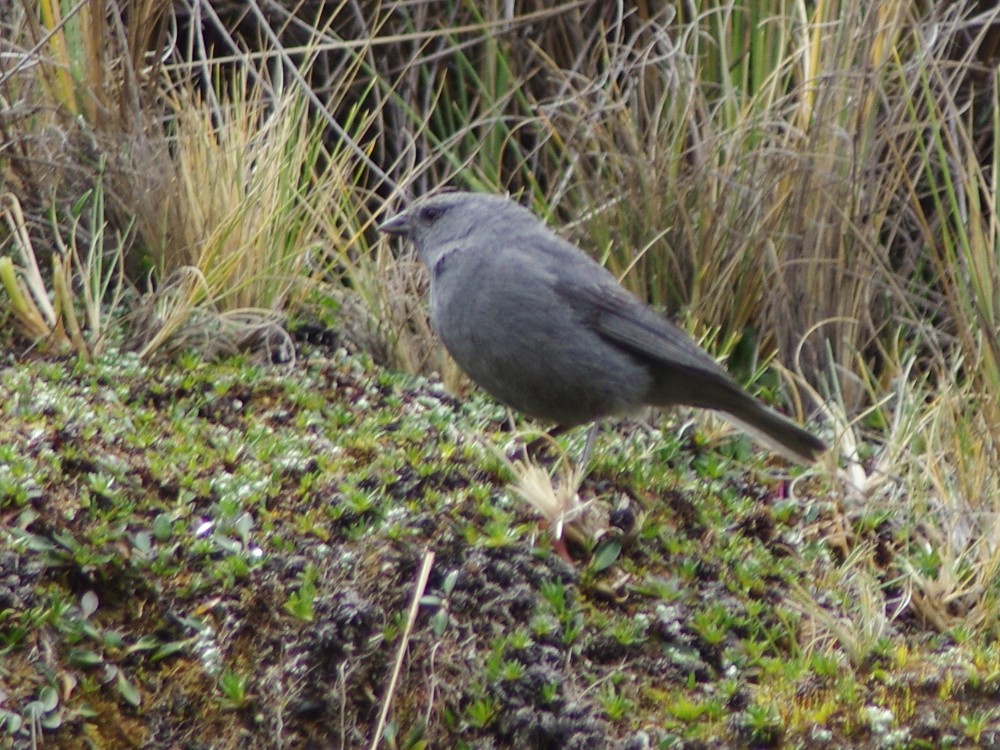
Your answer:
<point x="79" y="657"/>
<point x="142" y="542"/>
<point x="606" y="555"/>
<point x="113" y="639"/>
<point x="52" y="720"/>
<point x="36" y="543"/>
<point x="48" y="696"/>
<point x="163" y="527"/>
<point x="390" y="732"/>
<point x="85" y="710"/>
<point x="166" y="650"/>
<point x="227" y="544"/>
<point x="77" y="209"/>
<point x="13" y="721"/>
<point x="244" y="525"/>
<point x="145" y="643"/>
<point x="89" y="603"/>
<point x="128" y="691"/>
<point x="449" y="582"/>
<point x="439" y="622"/>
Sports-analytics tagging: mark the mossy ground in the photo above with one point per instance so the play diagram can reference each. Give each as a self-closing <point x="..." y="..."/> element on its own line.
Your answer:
<point x="223" y="555"/>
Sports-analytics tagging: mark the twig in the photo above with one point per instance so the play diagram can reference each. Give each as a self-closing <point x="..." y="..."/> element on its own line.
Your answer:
<point x="425" y="572"/>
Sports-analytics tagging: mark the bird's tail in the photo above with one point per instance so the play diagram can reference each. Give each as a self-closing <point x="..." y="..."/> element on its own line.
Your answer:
<point x="775" y="431"/>
<point x="710" y="388"/>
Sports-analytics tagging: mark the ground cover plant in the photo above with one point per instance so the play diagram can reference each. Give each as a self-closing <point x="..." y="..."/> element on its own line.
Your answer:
<point x="247" y="501"/>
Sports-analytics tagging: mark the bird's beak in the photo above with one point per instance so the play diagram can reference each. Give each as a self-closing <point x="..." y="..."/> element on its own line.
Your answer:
<point x="397" y="226"/>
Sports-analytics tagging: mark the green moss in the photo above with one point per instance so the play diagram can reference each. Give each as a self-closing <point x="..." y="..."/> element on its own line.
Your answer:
<point x="217" y="511"/>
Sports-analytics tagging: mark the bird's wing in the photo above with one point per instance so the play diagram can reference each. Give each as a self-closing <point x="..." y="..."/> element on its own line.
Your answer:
<point x="621" y="319"/>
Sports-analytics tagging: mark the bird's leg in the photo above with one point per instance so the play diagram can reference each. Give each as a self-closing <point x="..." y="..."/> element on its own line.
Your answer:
<point x="588" y="446"/>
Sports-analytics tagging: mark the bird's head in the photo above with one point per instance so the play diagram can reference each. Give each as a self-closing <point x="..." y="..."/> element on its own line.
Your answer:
<point x="434" y="224"/>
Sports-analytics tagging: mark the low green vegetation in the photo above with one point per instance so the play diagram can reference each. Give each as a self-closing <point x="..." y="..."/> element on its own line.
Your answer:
<point x="237" y="544"/>
<point x="229" y="439"/>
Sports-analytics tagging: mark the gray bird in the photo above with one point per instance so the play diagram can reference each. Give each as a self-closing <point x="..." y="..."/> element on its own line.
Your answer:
<point x="547" y="330"/>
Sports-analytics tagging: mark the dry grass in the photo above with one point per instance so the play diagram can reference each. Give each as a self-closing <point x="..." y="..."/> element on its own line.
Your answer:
<point x="817" y="182"/>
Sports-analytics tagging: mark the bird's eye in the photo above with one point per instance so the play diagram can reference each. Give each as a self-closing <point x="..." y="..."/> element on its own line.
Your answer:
<point x="430" y="214"/>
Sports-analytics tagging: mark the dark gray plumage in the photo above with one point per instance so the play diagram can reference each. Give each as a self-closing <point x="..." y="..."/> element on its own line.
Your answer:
<point x="547" y="330"/>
